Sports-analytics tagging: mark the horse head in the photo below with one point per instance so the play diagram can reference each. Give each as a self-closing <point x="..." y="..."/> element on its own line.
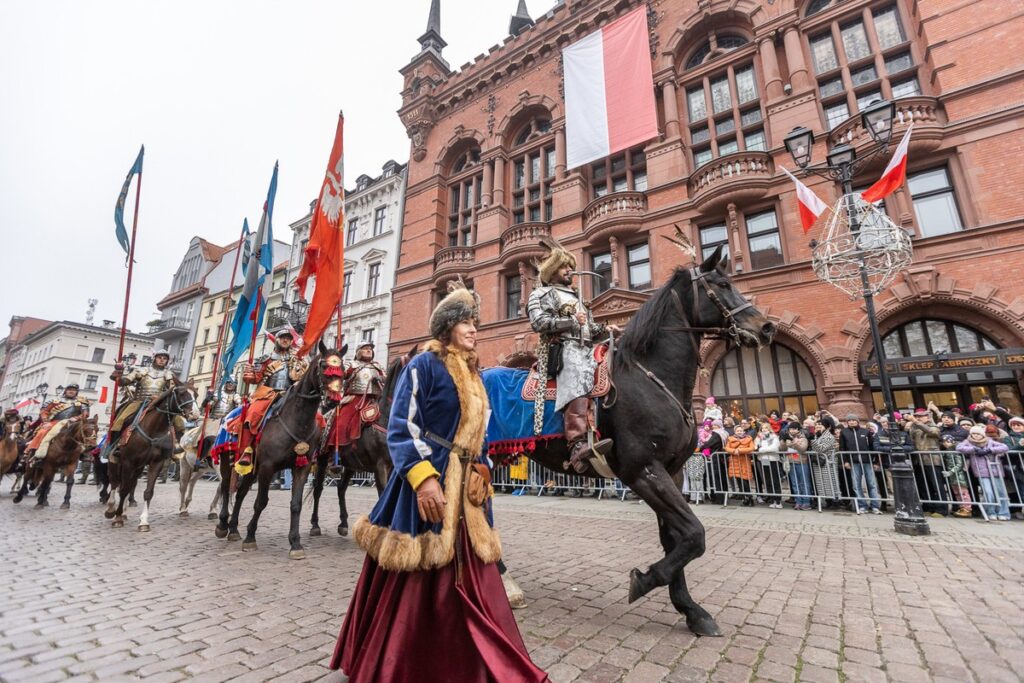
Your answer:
<point x="181" y="400"/>
<point x="329" y="374"/>
<point x="718" y="304"/>
<point x="90" y="430"/>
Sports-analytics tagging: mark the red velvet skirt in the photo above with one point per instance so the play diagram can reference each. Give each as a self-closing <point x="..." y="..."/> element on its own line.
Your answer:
<point x="422" y="626"/>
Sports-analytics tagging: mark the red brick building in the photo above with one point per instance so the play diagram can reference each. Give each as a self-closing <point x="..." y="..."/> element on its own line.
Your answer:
<point x="488" y="178"/>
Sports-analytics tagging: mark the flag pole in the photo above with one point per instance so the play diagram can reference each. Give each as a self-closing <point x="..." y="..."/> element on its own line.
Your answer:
<point x="341" y="270"/>
<point x="127" y="297"/>
<point x="220" y="342"/>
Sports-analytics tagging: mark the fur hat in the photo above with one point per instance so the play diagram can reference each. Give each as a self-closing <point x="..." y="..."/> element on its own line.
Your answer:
<point x="559" y="256"/>
<point x="977" y="433"/>
<point x="460" y="304"/>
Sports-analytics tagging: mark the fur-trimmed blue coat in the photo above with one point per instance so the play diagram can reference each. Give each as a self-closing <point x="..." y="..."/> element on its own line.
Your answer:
<point x="439" y="391"/>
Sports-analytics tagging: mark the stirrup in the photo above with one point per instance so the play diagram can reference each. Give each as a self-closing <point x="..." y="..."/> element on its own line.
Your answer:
<point x="243" y="465"/>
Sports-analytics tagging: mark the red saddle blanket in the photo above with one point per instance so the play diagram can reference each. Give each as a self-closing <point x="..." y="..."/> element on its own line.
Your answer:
<point x="350" y="418"/>
<point x="602" y="379"/>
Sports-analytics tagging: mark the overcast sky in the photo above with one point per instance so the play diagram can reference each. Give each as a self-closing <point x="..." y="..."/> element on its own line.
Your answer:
<point x="217" y="91"/>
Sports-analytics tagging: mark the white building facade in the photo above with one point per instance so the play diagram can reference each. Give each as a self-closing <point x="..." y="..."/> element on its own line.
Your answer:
<point x="70" y="353"/>
<point x="372" y="235"/>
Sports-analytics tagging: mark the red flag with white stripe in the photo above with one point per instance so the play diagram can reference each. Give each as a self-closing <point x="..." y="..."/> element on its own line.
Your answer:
<point x="811" y="206"/>
<point x="609" y="90"/>
<point x="895" y="173"/>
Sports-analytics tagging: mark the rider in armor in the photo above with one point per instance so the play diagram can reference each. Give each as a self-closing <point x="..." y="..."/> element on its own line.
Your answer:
<point x="558" y="314"/>
<point x="272" y="374"/>
<point x="223" y="404"/>
<point x="364" y="384"/>
<point x="141" y="386"/>
<point x="67" y="407"/>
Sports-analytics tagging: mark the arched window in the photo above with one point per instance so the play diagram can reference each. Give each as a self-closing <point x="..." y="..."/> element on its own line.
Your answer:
<point x="757" y="381"/>
<point x="715" y="46"/>
<point x="464" y="201"/>
<point x="816" y="6"/>
<point x="937" y="338"/>
<point x="533" y="172"/>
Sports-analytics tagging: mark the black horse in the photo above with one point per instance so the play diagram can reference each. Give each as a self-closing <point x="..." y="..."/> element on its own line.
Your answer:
<point x="648" y="415"/>
<point x="368" y="454"/>
<point x="292" y="425"/>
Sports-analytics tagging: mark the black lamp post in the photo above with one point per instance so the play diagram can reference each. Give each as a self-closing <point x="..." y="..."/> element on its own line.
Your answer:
<point x="42" y="390"/>
<point x="841" y="165"/>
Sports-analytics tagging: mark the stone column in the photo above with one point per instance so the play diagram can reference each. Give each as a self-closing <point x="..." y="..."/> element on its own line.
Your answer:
<point x="498" y="189"/>
<point x="770" y="67"/>
<point x="485" y="199"/>
<point x="560" y="153"/>
<point x="613" y="245"/>
<point x="668" y="94"/>
<point x="524" y="287"/>
<point x="798" y="76"/>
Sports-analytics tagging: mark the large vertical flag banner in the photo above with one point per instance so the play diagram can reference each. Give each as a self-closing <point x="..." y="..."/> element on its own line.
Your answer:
<point x="325" y="252"/>
<point x="259" y="273"/>
<point x="895" y="173"/>
<point x="246" y="246"/>
<point x="811" y="205"/>
<point x="119" y="229"/>
<point x="609" y="90"/>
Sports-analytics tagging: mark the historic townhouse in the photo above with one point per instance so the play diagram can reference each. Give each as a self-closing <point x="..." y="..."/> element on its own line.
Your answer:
<point x="488" y="178"/>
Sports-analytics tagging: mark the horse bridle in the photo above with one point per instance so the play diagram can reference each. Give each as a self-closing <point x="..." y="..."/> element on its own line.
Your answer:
<point x="177" y="409"/>
<point x="731" y="330"/>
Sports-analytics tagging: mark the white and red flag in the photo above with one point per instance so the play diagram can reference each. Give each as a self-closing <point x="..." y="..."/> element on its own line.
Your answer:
<point x="895" y="173"/>
<point x="609" y="90"/>
<point x="811" y="206"/>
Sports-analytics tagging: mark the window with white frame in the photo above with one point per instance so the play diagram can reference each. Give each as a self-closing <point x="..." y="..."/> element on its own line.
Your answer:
<point x="378" y="220"/>
<point x="935" y="206"/>
<point x="763" y="240"/>
<point x="724" y="114"/>
<point x="373" y="280"/>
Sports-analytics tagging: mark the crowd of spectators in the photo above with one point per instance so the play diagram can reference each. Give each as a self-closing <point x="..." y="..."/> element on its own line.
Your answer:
<point x="963" y="460"/>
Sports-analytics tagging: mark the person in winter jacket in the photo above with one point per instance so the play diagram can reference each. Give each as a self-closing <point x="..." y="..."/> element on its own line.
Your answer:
<point x="954" y="465"/>
<point x="984" y="454"/>
<point x="739" y="447"/>
<point x="796" y="445"/>
<point x="774" y="421"/>
<point x="928" y="463"/>
<point x="1014" y="440"/>
<point x="824" y="462"/>
<point x="767" y="444"/>
<point x="856" y="443"/>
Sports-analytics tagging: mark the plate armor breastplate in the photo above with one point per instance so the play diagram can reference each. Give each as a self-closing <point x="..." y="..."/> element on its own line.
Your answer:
<point x="279" y="380"/>
<point x="366" y="378"/>
<point x="67" y="410"/>
<point x="151" y="382"/>
<point x="224" y="406"/>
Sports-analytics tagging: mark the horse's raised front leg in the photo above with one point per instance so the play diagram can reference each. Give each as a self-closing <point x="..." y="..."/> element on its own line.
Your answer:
<point x="266" y="475"/>
<point x="147" y="497"/>
<point x="69" y="471"/>
<point x="318" y="488"/>
<point x="298" y="486"/>
<point x="343" y="482"/>
<point x="682" y="537"/>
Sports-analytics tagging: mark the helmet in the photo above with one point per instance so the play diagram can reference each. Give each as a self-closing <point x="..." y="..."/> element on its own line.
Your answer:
<point x="72" y="386"/>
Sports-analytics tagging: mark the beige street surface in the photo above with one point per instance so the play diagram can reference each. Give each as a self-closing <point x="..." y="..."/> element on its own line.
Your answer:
<point x="800" y="595"/>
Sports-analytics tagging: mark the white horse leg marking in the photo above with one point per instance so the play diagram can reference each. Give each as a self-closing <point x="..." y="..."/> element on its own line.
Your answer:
<point x="144" y="517"/>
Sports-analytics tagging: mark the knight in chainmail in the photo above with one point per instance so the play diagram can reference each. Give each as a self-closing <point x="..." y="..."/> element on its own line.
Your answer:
<point x="141" y="385"/>
<point x="567" y="333"/>
<point x="223" y="403"/>
<point x="69" y="406"/>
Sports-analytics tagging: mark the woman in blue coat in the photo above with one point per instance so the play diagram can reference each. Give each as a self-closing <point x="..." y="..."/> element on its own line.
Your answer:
<point x="429" y="604"/>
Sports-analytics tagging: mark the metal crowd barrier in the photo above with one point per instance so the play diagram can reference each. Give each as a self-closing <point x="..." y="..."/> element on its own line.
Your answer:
<point x="525" y="476"/>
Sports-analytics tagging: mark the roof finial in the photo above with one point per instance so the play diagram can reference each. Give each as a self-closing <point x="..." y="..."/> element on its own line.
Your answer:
<point x="520" y="20"/>
<point x="431" y="41"/>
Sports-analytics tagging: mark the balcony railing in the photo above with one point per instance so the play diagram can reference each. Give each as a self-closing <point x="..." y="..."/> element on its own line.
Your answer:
<point x="169" y="327"/>
<point x="626" y="208"/>
<point x="451" y="260"/>
<point x="523" y="241"/>
<point x="924" y="112"/>
<point x="733" y="177"/>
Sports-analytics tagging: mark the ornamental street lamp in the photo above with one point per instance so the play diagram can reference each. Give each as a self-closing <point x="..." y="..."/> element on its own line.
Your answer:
<point x="41" y="391"/>
<point x="861" y="254"/>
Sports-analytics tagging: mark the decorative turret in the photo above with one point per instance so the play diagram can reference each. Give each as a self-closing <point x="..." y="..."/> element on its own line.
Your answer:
<point x="521" y="20"/>
<point x="420" y="76"/>
<point x="431" y="41"/>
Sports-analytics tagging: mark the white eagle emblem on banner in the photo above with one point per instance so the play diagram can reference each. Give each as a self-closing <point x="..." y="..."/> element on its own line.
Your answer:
<point x="332" y="198"/>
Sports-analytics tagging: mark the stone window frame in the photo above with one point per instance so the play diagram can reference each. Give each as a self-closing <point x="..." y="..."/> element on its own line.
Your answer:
<point x="756" y="377"/>
<point x="708" y="134"/>
<point x="648" y="261"/>
<point x="608" y="172"/>
<point x="759" y="211"/>
<point x="379" y="219"/>
<point x="856" y="83"/>
<point x="532" y="162"/>
<point x="511" y="303"/>
<point x="466" y="180"/>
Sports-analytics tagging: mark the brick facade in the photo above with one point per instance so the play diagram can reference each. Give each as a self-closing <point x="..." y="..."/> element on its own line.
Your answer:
<point x="470" y="128"/>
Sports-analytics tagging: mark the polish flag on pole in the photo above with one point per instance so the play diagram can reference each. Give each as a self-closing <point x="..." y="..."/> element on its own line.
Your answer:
<point x="894" y="175"/>
<point x="811" y="206"/>
<point x="609" y="90"/>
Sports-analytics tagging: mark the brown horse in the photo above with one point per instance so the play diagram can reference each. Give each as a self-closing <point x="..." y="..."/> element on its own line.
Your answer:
<point x="75" y="438"/>
<point x="149" y="445"/>
<point x="294" y="424"/>
<point x="11" y="445"/>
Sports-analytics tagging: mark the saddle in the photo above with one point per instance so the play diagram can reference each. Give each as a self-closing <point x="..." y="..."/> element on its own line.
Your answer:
<point x="602" y="379"/>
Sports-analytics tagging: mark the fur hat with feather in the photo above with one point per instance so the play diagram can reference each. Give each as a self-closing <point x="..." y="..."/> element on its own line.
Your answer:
<point x="460" y="304"/>
<point x="559" y="256"/>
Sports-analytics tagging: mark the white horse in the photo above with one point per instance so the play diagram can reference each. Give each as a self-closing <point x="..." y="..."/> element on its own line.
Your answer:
<point x="193" y="469"/>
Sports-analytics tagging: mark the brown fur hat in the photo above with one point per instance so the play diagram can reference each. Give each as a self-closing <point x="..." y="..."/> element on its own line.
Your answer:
<point x="460" y="304"/>
<point x="559" y="256"/>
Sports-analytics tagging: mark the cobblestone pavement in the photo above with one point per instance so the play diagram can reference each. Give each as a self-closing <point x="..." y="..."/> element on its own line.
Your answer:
<point x="800" y="596"/>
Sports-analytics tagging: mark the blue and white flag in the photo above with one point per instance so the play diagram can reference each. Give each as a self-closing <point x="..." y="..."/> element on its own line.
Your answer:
<point x="119" y="230"/>
<point x="259" y="272"/>
<point x="246" y="246"/>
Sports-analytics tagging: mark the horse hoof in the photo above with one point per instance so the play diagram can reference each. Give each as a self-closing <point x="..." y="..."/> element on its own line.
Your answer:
<point x="17" y="499"/>
<point x="220" y="532"/>
<point x="143" y="528"/>
<point x="299" y="554"/>
<point x="65" y="506"/>
<point x="636" y="591"/>
<point x="342" y="530"/>
<point x="104" y="497"/>
<point x="234" y="536"/>
<point x="132" y="504"/>
<point x="249" y="545"/>
<point x="117" y="523"/>
<point x="183" y="513"/>
<point x="39" y="506"/>
<point x="704" y="626"/>
<point x="212" y="515"/>
<point x="315" y="531"/>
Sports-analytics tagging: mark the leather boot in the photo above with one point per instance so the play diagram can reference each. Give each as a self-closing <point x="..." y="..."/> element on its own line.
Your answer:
<point x="575" y="416"/>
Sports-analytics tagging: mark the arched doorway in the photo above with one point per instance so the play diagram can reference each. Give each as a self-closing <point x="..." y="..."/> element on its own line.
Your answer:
<point x="938" y="337"/>
<point x="758" y="381"/>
